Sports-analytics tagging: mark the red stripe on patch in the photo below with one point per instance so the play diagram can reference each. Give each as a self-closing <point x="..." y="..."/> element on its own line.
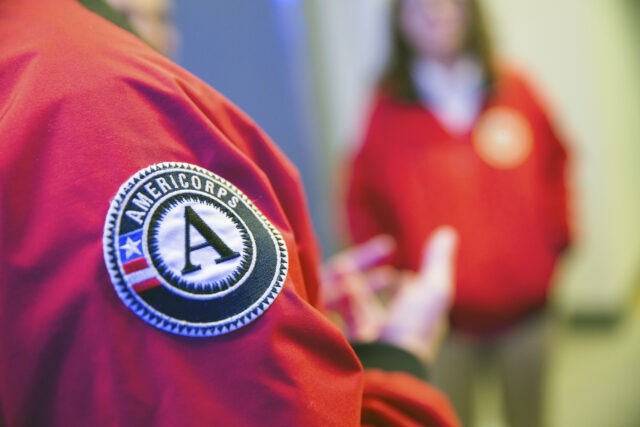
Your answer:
<point x="135" y="265"/>
<point x="145" y="285"/>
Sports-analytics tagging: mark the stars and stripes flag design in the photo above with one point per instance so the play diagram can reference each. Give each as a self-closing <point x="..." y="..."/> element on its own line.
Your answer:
<point x="138" y="273"/>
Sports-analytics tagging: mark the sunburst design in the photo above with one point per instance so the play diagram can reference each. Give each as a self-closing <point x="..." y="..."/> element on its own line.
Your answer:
<point x="207" y="287"/>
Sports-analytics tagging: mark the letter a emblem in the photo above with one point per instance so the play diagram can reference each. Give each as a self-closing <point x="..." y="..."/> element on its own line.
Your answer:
<point x="191" y="218"/>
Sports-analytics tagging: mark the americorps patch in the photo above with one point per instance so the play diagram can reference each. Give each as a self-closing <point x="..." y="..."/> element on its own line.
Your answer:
<point x="189" y="253"/>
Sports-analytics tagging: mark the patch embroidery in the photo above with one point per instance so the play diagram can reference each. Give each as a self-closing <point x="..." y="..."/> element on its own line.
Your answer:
<point x="189" y="253"/>
<point x="503" y="138"/>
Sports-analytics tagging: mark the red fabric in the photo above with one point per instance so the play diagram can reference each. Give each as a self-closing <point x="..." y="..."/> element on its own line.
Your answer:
<point x="397" y="401"/>
<point x="411" y="175"/>
<point x="83" y="106"/>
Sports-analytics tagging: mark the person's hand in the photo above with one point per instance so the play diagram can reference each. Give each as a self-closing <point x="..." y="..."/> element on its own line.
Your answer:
<point x="417" y="316"/>
<point x="414" y="315"/>
<point x="351" y="280"/>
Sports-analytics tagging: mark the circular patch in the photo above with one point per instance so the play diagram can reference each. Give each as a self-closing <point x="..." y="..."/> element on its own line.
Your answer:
<point x="503" y="138"/>
<point x="189" y="253"/>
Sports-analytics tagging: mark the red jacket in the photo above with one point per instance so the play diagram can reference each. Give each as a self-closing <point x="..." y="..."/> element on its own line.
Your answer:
<point x="95" y="339"/>
<point x="501" y="185"/>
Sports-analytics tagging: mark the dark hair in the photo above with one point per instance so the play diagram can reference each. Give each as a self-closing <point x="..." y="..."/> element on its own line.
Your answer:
<point x="397" y="80"/>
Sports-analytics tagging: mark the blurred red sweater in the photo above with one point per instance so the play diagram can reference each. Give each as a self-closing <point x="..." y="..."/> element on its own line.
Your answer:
<point x="501" y="185"/>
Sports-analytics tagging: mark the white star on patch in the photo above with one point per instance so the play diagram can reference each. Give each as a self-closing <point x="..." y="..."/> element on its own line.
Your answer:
<point x="131" y="248"/>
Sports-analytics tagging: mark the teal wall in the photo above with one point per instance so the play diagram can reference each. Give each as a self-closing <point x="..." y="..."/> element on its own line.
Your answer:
<point x="255" y="53"/>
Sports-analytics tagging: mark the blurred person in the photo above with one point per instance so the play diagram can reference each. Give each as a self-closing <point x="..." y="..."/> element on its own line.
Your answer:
<point x="152" y="21"/>
<point x="158" y="264"/>
<point x="456" y="138"/>
<point x="104" y="9"/>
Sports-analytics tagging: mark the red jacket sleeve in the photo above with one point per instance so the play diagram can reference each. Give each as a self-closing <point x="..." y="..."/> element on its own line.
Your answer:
<point x="399" y="400"/>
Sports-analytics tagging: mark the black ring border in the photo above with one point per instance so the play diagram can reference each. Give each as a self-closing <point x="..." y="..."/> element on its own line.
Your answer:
<point x="173" y="325"/>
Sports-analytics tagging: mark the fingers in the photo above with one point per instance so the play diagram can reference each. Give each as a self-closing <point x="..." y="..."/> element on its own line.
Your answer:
<point x="362" y="312"/>
<point x="363" y="256"/>
<point x="417" y="313"/>
<point x="350" y="282"/>
<point x="436" y="271"/>
<point x="357" y="260"/>
<point x="371" y="252"/>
